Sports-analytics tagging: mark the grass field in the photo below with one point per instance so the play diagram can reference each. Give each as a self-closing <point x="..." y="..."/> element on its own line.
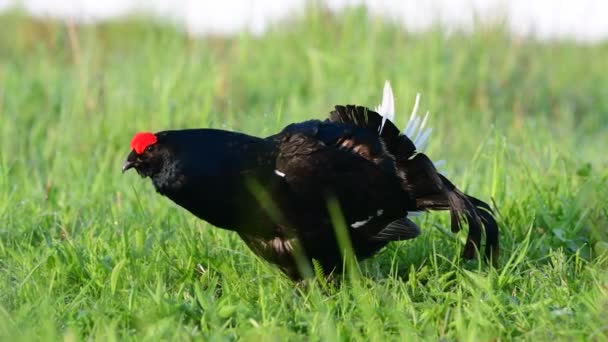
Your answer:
<point x="89" y="253"/>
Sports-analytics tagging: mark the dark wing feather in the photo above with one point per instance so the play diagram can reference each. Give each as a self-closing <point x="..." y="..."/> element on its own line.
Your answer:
<point x="321" y="165"/>
<point x="401" y="229"/>
<point x="399" y="145"/>
<point x="431" y="189"/>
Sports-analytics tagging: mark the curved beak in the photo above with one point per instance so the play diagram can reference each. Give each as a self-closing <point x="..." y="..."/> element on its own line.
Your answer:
<point x="127" y="165"/>
<point x="130" y="162"/>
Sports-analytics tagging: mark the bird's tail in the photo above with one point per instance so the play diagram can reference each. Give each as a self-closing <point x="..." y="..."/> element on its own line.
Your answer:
<point x="432" y="190"/>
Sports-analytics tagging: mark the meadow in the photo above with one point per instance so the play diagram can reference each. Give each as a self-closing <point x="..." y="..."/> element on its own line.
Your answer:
<point x="87" y="253"/>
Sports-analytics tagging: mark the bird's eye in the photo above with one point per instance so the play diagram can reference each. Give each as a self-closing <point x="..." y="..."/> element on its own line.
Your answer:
<point x="148" y="148"/>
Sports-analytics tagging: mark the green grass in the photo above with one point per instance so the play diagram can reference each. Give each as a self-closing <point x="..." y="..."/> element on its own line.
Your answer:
<point x="89" y="253"/>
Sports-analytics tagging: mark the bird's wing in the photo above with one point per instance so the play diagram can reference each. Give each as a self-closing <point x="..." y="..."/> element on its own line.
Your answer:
<point x="419" y="177"/>
<point x="321" y="160"/>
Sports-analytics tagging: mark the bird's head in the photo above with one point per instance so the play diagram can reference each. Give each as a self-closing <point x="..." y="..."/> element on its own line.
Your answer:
<point x="147" y="155"/>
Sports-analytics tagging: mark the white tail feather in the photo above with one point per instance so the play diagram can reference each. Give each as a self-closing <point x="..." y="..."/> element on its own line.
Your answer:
<point x="387" y="107"/>
<point x="415" y="128"/>
<point x="439" y="163"/>
<point x="421" y="139"/>
<point x="410" y="122"/>
<point x="412" y="126"/>
<point x="426" y="118"/>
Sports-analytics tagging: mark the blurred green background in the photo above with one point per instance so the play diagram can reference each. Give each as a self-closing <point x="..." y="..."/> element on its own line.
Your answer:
<point x="86" y="252"/>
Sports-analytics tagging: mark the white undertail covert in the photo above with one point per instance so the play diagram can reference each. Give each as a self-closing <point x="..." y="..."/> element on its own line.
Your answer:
<point x="416" y="127"/>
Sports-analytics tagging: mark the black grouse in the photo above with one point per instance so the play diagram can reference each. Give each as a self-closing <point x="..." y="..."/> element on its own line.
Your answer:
<point x="274" y="191"/>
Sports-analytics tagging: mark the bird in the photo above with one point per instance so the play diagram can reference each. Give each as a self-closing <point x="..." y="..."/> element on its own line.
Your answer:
<point x="274" y="191"/>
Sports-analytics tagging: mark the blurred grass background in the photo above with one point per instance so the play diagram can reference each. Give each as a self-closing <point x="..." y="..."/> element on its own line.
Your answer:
<point x="86" y="252"/>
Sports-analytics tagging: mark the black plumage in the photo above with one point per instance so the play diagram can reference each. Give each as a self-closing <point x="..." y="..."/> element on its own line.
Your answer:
<point x="273" y="191"/>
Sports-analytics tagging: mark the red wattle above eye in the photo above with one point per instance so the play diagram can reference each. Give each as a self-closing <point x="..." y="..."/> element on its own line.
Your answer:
<point x="142" y="140"/>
